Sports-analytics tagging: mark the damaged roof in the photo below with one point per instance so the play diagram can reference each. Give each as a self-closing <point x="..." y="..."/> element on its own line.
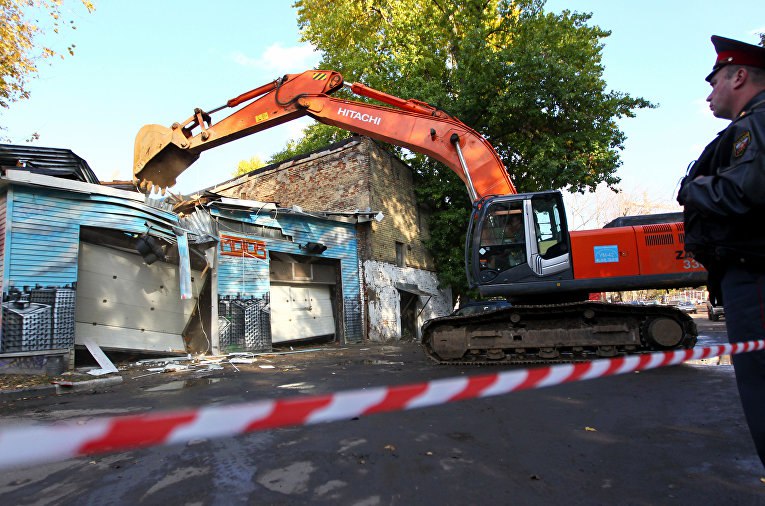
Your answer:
<point x="185" y="207"/>
<point x="55" y="162"/>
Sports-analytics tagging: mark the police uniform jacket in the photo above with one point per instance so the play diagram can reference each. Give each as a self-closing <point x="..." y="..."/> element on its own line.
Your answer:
<point x="724" y="195"/>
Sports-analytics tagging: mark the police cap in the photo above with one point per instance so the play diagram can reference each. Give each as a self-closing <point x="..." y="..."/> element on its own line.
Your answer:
<point x="734" y="52"/>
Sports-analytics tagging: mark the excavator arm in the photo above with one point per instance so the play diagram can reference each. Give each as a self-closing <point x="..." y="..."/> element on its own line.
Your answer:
<point x="162" y="153"/>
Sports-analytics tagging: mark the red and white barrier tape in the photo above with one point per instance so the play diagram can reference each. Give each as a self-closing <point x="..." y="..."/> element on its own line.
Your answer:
<point x="30" y="444"/>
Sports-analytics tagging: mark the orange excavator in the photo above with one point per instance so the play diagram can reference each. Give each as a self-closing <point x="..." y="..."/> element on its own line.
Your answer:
<point x="518" y="246"/>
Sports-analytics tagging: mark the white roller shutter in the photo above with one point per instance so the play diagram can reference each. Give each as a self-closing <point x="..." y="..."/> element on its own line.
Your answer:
<point x="300" y="312"/>
<point x="122" y="303"/>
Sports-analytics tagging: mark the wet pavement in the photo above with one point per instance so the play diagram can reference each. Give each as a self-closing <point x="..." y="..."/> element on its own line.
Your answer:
<point x="668" y="436"/>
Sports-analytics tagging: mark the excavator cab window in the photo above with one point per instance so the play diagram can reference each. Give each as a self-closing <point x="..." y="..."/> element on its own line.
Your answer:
<point x="503" y="238"/>
<point x="551" y="237"/>
<point x="518" y="238"/>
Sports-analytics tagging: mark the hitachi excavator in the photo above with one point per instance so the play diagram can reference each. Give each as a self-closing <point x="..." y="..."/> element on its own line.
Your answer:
<point x="517" y="246"/>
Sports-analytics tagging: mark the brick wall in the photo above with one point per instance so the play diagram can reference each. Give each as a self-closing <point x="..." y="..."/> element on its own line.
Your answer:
<point x="393" y="194"/>
<point x="351" y="175"/>
<point x="336" y="179"/>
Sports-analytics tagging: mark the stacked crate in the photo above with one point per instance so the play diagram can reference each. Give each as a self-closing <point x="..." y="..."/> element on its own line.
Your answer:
<point x="62" y="303"/>
<point x="224" y="307"/>
<point x="224" y="331"/>
<point x="354" y="331"/>
<point x="251" y="324"/>
<point x="26" y="327"/>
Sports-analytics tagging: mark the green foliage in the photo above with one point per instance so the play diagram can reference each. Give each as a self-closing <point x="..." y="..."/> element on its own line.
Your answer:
<point x="530" y="81"/>
<point x="315" y="137"/>
<point x="19" y="54"/>
<point x="246" y="166"/>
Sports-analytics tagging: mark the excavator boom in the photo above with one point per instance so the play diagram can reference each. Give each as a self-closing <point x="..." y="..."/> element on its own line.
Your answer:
<point x="162" y="153"/>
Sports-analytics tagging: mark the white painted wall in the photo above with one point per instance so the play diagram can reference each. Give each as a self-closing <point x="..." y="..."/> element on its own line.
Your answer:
<point x="384" y="303"/>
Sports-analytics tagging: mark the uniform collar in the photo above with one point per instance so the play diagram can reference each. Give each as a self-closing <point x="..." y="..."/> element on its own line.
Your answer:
<point x="756" y="101"/>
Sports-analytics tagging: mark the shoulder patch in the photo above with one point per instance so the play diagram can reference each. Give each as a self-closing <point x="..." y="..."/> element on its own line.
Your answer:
<point x="739" y="147"/>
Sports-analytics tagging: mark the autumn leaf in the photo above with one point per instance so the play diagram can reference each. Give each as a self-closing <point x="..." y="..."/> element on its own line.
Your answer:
<point x="19" y="50"/>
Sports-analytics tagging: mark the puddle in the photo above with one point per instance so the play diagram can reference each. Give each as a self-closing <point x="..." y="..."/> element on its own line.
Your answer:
<point x="722" y="360"/>
<point x="297" y="386"/>
<point x="370" y="361"/>
<point x="181" y="384"/>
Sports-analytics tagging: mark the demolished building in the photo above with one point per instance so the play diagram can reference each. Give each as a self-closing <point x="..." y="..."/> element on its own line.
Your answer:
<point x="400" y="284"/>
<point x="88" y="262"/>
<point x="70" y="268"/>
<point x="255" y="261"/>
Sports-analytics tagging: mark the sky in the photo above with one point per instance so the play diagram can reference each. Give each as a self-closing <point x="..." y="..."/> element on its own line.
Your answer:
<point x="144" y="61"/>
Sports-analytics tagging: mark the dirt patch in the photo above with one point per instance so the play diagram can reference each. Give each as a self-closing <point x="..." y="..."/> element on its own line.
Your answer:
<point x="19" y="381"/>
<point x="22" y="381"/>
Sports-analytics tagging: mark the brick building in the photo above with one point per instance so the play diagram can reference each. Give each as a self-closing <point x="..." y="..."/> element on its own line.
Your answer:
<point x="400" y="284"/>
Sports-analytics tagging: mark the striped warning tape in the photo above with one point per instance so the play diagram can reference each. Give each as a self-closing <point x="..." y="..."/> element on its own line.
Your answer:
<point x="30" y="444"/>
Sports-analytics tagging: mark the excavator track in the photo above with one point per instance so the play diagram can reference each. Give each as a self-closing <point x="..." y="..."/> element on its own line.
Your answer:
<point x="555" y="333"/>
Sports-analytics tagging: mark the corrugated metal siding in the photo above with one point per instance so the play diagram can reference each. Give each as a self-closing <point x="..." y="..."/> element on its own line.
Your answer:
<point x="339" y="238"/>
<point x="48" y="161"/>
<point x="3" y="201"/>
<point x="45" y="226"/>
<point x="242" y="277"/>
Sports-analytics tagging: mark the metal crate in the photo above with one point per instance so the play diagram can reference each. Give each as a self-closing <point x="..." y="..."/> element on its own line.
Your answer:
<point x="62" y="302"/>
<point x="224" y="331"/>
<point x="251" y="324"/>
<point x="224" y="307"/>
<point x="354" y="320"/>
<point x="26" y="327"/>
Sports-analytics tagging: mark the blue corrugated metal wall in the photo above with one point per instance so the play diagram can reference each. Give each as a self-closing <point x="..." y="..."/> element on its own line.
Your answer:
<point x="44" y="228"/>
<point x="41" y="247"/>
<point x="240" y="278"/>
<point x="339" y="238"/>
<point x="3" y="200"/>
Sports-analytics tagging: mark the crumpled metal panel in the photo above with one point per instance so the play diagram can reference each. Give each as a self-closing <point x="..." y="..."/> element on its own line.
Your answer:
<point x="47" y="161"/>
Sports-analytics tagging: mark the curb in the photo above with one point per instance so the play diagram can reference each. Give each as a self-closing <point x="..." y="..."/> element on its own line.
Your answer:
<point x="60" y="388"/>
<point x="79" y="386"/>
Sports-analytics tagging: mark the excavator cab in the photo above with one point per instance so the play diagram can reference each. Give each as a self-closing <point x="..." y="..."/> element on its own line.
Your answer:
<point x="516" y="241"/>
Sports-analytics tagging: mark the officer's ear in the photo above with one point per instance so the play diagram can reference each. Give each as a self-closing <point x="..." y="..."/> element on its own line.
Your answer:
<point x="739" y="77"/>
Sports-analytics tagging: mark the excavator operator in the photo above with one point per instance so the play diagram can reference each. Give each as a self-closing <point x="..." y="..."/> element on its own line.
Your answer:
<point x="504" y="243"/>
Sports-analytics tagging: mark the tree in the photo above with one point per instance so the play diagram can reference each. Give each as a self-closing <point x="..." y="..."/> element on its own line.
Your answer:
<point x="314" y="138"/>
<point x="246" y="166"/>
<point x="530" y="81"/>
<point x="21" y="22"/>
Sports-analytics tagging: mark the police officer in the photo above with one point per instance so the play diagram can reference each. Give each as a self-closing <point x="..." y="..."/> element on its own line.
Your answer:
<point x="724" y="199"/>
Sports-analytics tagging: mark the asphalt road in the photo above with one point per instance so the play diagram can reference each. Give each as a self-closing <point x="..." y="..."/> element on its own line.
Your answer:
<point x="675" y="435"/>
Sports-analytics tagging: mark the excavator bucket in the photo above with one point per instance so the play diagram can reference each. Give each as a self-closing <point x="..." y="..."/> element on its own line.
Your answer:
<point x="159" y="157"/>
